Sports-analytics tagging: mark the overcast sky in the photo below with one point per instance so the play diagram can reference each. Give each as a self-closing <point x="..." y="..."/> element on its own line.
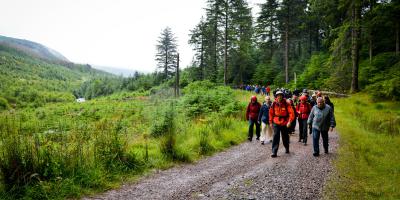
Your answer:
<point x="113" y="33"/>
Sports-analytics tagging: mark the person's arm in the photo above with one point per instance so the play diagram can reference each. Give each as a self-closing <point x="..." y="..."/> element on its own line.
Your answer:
<point x="271" y="114"/>
<point x="247" y="112"/>
<point x="291" y="114"/>
<point x="261" y="113"/>
<point x="311" y="117"/>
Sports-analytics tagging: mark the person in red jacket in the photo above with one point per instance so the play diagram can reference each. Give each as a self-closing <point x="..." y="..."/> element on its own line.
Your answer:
<point x="253" y="109"/>
<point x="303" y="110"/>
<point x="281" y="115"/>
<point x="268" y="90"/>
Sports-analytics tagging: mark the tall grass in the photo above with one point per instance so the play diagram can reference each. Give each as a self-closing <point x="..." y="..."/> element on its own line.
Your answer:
<point x="368" y="165"/>
<point x="67" y="150"/>
<point x="42" y="160"/>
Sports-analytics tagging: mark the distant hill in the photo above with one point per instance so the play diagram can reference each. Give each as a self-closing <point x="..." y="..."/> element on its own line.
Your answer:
<point x="32" y="75"/>
<point x="32" y="48"/>
<point x="116" y="71"/>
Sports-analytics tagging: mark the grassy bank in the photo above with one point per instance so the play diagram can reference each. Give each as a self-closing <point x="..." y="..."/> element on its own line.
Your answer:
<point x="69" y="150"/>
<point x="368" y="163"/>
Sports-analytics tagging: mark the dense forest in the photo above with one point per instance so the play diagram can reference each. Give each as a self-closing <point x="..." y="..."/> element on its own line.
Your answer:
<point x="329" y="44"/>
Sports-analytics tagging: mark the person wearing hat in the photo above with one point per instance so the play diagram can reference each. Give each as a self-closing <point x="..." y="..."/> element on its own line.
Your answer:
<point x="252" y="112"/>
<point x="281" y="114"/>
<point x="303" y="110"/>
<point x="322" y="119"/>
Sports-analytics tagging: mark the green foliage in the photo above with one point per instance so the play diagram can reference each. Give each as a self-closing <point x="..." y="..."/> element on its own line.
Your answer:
<point x="316" y="72"/>
<point x="381" y="77"/>
<point x="65" y="150"/>
<point x="205" y="97"/>
<point x="367" y="167"/>
<point x="4" y="104"/>
<point x="163" y="124"/>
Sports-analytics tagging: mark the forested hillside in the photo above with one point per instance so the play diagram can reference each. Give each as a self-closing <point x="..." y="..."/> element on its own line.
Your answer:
<point x="30" y="81"/>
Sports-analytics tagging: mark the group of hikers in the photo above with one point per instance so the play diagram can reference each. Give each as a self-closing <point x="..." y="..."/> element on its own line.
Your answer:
<point x="315" y="115"/>
<point x="263" y="90"/>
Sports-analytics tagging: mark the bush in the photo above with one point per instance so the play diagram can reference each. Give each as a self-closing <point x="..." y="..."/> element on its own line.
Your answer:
<point x="203" y="97"/>
<point x="163" y="124"/>
<point x="4" y="104"/>
<point x="386" y="85"/>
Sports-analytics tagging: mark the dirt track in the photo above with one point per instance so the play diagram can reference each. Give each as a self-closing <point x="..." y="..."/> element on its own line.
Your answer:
<point x="245" y="171"/>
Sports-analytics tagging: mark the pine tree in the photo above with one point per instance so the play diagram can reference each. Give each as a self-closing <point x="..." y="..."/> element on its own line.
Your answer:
<point x="266" y="28"/>
<point x="166" y="53"/>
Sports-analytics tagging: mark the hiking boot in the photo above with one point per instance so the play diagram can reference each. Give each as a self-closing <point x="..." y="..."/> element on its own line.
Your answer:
<point x="326" y="152"/>
<point x="315" y="154"/>
<point x="305" y="144"/>
<point x="287" y="151"/>
<point x="250" y="139"/>
<point x="257" y="138"/>
<point x="262" y="142"/>
<point x="273" y="155"/>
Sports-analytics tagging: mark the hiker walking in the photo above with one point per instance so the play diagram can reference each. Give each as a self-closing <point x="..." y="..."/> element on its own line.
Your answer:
<point x="322" y="119"/>
<point x="252" y="112"/>
<point x="263" y="117"/>
<point x="303" y="110"/>
<point x="281" y="115"/>
<point x="329" y="102"/>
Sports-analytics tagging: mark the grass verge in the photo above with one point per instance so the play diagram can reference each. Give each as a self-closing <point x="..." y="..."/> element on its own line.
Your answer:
<point x="368" y="164"/>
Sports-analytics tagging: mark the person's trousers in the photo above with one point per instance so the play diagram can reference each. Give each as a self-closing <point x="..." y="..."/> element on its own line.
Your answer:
<point x="303" y="130"/>
<point x="266" y="132"/>
<point x="316" y="134"/>
<point x="251" y="127"/>
<point x="278" y="130"/>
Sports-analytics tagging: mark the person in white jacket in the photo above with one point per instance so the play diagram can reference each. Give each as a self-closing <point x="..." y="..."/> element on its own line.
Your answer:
<point x="263" y="117"/>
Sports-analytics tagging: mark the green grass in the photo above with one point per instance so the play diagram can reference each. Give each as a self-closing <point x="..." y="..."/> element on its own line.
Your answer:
<point x="67" y="150"/>
<point x="368" y="163"/>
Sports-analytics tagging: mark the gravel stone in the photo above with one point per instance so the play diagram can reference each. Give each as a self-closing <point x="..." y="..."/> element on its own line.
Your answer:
<point x="245" y="171"/>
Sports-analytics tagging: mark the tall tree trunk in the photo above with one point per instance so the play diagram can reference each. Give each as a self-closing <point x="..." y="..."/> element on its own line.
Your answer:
<point x="286" y="54"/>
<point x="397" y="38"/>
<point x="316" y="38"/>
<point x="177" y="77"/>
<point x="299" y="48"/>
<point x="309" y="39"/>
<point x="370" y="48"/>
<point x="226" y="45"/>
<point x="271" y="43"/>
<point x="202" y="59"/>
<point x="355" y="36"/>
<point x="166" y="64"/>
<point x="215" y="39"/>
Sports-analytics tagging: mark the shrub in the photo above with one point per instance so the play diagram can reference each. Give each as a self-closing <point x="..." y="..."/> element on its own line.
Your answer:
<point x="4" y="104"/>
<point x="203" y="97"/>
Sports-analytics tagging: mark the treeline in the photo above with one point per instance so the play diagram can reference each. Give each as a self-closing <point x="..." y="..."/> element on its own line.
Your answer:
<point x="337" y="45"/>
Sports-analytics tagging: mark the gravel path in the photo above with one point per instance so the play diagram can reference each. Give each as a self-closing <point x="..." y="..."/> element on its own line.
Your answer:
<point x="245" y="171"/>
